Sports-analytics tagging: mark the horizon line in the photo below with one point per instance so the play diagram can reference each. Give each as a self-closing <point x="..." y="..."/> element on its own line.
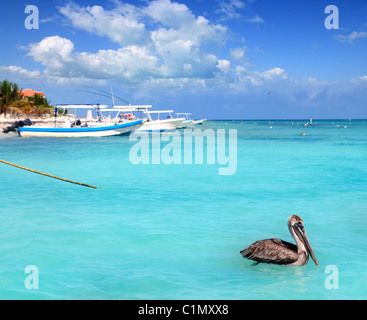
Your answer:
<point x="295" y="119"/>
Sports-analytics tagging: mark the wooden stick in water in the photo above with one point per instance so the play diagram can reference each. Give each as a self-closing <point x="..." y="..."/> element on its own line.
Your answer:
<point x="48" y="175"/>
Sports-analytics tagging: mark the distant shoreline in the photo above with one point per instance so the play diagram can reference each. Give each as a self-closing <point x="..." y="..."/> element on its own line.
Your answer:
<point x="340" y="119"/>
<point x="288" y="120"/>
<point x="5" y="122"/>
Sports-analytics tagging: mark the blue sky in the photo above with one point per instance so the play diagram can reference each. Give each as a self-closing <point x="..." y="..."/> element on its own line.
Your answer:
<point x="218" y="59"/>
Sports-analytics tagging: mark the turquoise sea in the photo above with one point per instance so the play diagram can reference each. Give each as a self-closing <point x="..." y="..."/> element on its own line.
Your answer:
<point x="157" y="231"/>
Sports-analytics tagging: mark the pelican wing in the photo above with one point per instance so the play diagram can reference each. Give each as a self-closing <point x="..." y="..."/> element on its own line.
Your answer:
<point x="271" y="251"/>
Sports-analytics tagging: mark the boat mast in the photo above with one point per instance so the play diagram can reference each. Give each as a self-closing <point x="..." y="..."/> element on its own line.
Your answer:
<point x="113" y="99"/>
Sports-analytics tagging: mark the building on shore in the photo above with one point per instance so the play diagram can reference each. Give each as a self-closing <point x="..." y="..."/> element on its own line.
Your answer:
<point x="30" y="93"/>
<point x="29" y="104"/>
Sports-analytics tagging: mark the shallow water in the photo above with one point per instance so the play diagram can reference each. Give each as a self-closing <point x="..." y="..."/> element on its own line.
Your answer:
<point x="175" y="231"/>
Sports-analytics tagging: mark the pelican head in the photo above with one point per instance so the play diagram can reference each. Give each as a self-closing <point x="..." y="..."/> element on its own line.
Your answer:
<point x="298" y="231"/>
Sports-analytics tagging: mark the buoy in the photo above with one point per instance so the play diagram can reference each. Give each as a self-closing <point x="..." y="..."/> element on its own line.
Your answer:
<point x="48" y="175"/>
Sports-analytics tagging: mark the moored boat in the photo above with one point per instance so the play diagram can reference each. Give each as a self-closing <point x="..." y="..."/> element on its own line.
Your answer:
<point x="65" y="128"/>
<point x="159" y="125"/>
<point x="198" y="121"/>
<point x="188" y="121"/>
<point x="95" y="131"/>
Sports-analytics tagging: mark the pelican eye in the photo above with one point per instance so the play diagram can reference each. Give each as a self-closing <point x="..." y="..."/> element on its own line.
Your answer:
<point x="299" y="225"/>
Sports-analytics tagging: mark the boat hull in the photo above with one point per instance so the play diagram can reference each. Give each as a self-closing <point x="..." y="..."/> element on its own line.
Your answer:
<point x="198" y="121"/>
<point x="101" y="131"/>
<point x="161" y="125"/>
<point x="184" y="124"/>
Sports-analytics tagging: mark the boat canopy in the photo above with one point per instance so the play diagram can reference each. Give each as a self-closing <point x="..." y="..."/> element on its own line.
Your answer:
<point x="161" y="111"/>
<point x="185" y="114"/>
<point x="137" y="108"/>
<point x="119" y="110"/>
<point x="80" y="106"/>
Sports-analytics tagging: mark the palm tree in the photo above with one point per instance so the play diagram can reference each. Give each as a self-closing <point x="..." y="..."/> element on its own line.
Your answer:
<point x="20" y="107"/>
<point x="9" y="93"/>
<point x="41" y="105"/>
<point x="5" y="92"/>
<point x="15" y="92"/>
<point x="12" y="101"/>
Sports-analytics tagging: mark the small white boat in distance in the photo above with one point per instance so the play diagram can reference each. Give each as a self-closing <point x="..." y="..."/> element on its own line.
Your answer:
<point x="198" y="121"/>
<point x="189" y="121"/>
<point x="63" y="127"/>
<point x="159" y="125"/>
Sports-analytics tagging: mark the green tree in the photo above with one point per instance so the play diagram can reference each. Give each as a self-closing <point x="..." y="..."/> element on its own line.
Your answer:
<point x="9" y="93"/>
<point x="12" y="102"/>
<point x="41" y="105"/>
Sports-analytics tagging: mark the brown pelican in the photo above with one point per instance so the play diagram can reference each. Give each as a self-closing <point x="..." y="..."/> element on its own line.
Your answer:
<point x="281" y="252"/>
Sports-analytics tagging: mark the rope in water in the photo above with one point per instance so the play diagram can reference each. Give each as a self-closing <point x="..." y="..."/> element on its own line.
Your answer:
<point x="48" y="175"/>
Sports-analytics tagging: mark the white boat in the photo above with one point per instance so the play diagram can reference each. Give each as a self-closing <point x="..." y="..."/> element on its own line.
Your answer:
<point x="168" y="124"/>
<point x="102" y="131"/>
<point x="185" y="123"/>
<point x="115" y="115"/>
<point x="189" y="121"/>
<point x="198" y="121"/>
<point x="153" y="125"/>
<point x="64" y="127"/>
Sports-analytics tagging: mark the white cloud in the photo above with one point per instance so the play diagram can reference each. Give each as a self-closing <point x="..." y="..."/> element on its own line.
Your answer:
<point x="55" y="53"/>
<point x="171" y="57"/>
<point x="119" y="25"/>
<point x="224" y="66"/>
<point x="174" y="48"/>
<point x="170" y="14"/>
<point x="163" y="39"/>
<point x="238" y="53"/>
<point x="122" y="25"/>
<point x="258" y="50"/>
<point x="19" y="72"/>
<point x="274" y="74"/>
<point x="52" y="48"/>
<point x="49" y="19"/>
<point x="229" y="9"/>
<point x="58" y="56"/>
<point x="256" y="19"/>
<point x="352" y="37"/>
<point x="256" y="78"/>
<point x="163" y="44"/>
<point x="131" y="63"/>
<point x="361" y="80"/>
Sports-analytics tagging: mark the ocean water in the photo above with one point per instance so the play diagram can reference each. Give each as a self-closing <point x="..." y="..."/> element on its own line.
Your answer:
<point x="157" y="231"/>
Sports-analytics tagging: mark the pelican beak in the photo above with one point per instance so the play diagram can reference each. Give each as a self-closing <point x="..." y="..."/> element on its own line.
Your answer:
<point x="301" y="233"/>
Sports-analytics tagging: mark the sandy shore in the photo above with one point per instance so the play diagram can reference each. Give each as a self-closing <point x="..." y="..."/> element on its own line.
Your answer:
<point x="39" y="122"/>
<point x="9" y="122"/>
